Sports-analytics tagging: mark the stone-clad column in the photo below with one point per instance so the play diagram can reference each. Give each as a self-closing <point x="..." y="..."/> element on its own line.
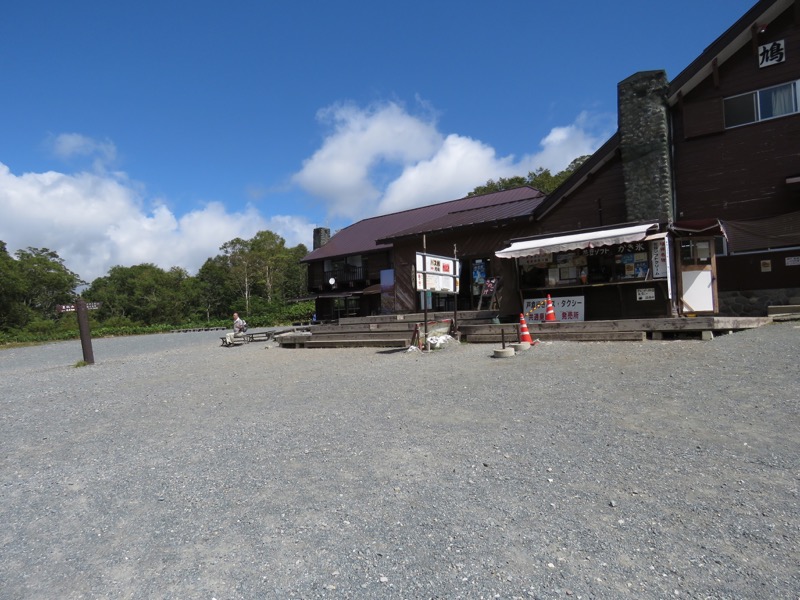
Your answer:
<point x="645" y="146"/>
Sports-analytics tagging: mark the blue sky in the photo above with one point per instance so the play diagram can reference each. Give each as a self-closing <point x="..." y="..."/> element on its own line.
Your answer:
<point x="157" y="131"/>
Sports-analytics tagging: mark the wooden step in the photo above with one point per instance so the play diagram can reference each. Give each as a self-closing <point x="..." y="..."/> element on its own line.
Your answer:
<point x="326" y="342"/>
<point x="401" y="326"/>
<point x="564" y="336"/>
<point x="783" y="309"/>
<point x="359" y="335"/>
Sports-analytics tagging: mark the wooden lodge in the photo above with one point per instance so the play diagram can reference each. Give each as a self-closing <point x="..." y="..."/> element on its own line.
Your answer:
<point x="688" y="214"/>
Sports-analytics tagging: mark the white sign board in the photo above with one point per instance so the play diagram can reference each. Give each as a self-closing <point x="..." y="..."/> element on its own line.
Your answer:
<point x="770" y="54"/>
<point x="659" y="259"/>
<point x="437" y="273"/>
<point x="567" y="308"/>
<point x="645" y="294"/>
<point x="436" y="283"/>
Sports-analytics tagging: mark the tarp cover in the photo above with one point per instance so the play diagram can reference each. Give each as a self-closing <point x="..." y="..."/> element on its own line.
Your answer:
<point x="564" y="243"/>
<point x="763" y="234"/>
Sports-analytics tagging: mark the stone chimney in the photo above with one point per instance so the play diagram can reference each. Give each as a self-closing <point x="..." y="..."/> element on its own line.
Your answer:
<point x="645" y="146"/>
<point x="321" y="237"/>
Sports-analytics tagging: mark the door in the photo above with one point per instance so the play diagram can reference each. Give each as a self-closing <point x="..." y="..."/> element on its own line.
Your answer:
<point x="698" y="276"/>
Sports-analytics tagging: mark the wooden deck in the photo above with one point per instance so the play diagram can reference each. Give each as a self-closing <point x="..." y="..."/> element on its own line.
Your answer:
<point x="704" y="328"/>
<point x="397" y="331"/>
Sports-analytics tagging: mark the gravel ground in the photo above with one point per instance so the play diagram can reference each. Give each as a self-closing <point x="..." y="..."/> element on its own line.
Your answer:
<point x="174" y="468"/>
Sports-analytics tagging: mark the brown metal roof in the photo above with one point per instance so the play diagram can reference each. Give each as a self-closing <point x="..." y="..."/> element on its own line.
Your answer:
<point x="475" y="216"/>
<point x="364" y="236"/>
<point x="782" y="231"/>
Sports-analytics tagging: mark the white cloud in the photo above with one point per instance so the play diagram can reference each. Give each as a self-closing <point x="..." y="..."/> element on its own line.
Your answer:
<point x="95" y="221"/>
<point x="382" y="159"/>
<point x="375" y="160"/>
<point x="67" y="146"/>
<point x="459" y="164"/>
<point x="564" y="144"/>
<point x="346" y="172"/>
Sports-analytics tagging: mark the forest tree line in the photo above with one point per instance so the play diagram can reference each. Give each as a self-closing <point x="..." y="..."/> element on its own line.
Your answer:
<point x="261" y="278"/>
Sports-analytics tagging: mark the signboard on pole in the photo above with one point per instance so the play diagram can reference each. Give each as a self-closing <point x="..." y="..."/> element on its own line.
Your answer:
<point x="62" y="308"/>
<point x="437" y="273"/>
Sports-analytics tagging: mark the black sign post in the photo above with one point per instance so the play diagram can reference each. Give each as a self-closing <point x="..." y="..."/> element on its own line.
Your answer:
<point x="83" y="326"/>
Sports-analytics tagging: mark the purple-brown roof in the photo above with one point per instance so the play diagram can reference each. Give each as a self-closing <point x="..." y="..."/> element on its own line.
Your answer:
<point x="364" y="236"/>
<point x="506" y="211"/>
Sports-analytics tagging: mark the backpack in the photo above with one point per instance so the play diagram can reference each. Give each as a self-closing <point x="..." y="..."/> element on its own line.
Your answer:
<point x="244" y="326"/>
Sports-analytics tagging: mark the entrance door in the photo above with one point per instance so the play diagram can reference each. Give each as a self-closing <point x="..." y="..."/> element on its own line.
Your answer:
<point x="698" y="275"/>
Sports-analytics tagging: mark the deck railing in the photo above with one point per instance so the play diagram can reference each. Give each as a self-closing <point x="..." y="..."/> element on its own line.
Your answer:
<point x="341" y="276"/>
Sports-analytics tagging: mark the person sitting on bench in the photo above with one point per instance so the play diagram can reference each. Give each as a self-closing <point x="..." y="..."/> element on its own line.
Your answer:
<point x="238" y="330"/>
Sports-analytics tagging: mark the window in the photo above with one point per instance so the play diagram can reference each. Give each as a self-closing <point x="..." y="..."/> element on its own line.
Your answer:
<point x="760" y="105"/>
<point x="696" y="252"/>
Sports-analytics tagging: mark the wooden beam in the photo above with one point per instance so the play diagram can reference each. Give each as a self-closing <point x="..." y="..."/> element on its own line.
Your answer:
<point x="715" y="70"/>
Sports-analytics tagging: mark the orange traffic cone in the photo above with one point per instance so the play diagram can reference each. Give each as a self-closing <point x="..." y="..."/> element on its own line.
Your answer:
<point x="524" y="336"/>
<point x="550" y="313"/>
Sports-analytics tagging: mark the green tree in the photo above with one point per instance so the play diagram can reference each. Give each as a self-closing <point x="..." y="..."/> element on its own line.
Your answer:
<point x="48" y="281"/>
<point x="540" y="179"/>
<point x="217" y="289"/>
<point x="240" y="260"/>
<point x="143" y="293"/>
<point x="295" y="273"/>
<point x="13" y="311"/>
<point x="268" y="251"/>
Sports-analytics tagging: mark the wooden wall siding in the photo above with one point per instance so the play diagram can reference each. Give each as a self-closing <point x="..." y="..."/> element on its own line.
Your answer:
<point x="480" y="242"/>
<point x="739" y="173"/>
<point x="315" y="275"/>
<point x="599" y="202"/>
<point x="740" y="73"/>
<point x="744" y="272"/>
<point x="702" y="118"/>
<point x="377" y="263"/>
<point x="405" y="293"/>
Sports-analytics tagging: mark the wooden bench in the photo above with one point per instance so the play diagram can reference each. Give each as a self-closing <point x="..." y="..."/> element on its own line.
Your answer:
<point x="250" y="336"/>
<point x="236" y="341"/>
<point x="259" y="336"/>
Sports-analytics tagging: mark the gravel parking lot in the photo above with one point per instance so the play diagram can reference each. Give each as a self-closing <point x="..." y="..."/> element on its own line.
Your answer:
<point x="174" y="468"/>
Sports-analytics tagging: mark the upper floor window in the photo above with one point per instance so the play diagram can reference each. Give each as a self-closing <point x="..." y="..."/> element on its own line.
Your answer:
<point x="760" y="105"/>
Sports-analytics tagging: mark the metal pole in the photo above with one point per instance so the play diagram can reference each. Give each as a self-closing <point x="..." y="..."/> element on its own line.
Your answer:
<point x="425" y="285"/>
<point x="83" y="327"/>
<point x="455" y="287"/>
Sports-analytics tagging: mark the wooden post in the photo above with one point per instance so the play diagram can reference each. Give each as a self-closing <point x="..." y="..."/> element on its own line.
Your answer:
<point x="83" y="327"/>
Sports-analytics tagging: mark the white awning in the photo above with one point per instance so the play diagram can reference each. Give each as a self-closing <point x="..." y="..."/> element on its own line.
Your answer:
<point x="563" y="243"/>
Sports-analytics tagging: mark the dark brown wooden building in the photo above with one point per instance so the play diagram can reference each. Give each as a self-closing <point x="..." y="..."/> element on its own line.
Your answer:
<point x="691" y="207"/>
<point x="711" y="160"/>
<point x="369" y="267"/>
